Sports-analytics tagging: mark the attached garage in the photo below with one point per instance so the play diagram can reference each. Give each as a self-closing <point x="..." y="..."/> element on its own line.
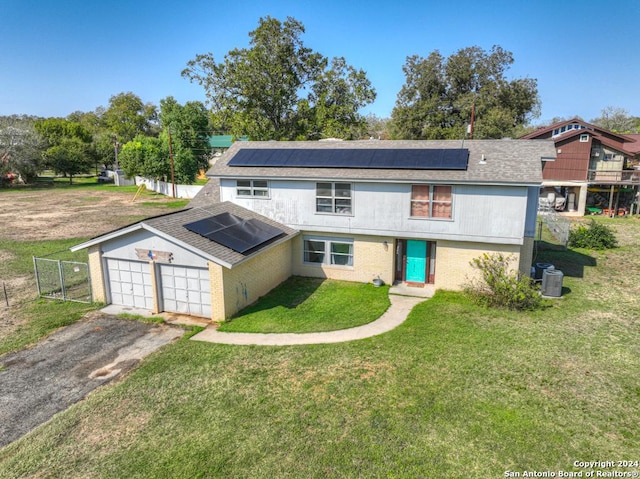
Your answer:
<point x="130" y="283"/>
<point x="185" y="290"/>
<point x="208" y="262"/>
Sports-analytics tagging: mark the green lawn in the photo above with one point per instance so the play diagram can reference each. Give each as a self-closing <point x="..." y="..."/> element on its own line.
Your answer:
<point x="304" y="305"/>
<point x="456" y="391"/>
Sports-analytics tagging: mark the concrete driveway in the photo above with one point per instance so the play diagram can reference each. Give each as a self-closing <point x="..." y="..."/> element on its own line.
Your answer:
<point x="62" y="369"/>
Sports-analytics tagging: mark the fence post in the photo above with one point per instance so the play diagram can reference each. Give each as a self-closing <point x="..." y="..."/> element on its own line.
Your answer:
<point x="35" y="267"/>
<point x="64" y="293"/>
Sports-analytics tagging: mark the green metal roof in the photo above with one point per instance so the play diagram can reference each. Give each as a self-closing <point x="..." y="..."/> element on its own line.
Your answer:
<point x="224" y="141"/>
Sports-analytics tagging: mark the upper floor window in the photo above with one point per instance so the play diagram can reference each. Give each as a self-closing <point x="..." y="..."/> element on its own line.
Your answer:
<point x="254" y="188"/>
<point x="570" y="126"/>
<point x="333" y="198"/>
<point x="431" y="201"/>
<point x="584" y="138"/>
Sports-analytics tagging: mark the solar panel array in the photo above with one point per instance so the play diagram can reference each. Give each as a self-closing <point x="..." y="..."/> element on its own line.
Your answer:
<point x="238" y="234"/>
<point x="375" y="158"/>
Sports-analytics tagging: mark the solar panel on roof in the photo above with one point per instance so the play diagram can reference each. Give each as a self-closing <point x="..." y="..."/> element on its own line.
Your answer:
<point x="366" y="158"/>
<point x="235" y="233"/>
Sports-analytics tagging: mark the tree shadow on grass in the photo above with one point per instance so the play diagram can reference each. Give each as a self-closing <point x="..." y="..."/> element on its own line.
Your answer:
<point x="570" y="262"/>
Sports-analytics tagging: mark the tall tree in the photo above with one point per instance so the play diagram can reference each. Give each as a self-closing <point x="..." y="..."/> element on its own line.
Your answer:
<point x="69" y="146"/>
<point x="20" y="147"/>
<point x="617" y="119"/>
<point x="278" y="89"/>
<point x="189" y="127"/>
<point x="145" y="156"/>
<point x="439" y="95"/>
<point x="127" y="117"/>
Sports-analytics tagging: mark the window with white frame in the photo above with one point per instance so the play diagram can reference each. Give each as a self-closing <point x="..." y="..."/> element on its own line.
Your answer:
<point x="334" y="198"/>
<point x="252" y="188"/>
<point x="431" y="201"/>
<point x="584" y="138"/>
<point x="329" y="251"/>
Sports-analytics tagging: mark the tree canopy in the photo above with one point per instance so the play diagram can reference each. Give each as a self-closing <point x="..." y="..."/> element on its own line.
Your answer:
<point x="618" y="120"/>
<point x="127" y="117"/>
<point x="69" y="146"/>
<point x="145" y="156"/>
<point x="278" y="89"/>
<point x="439" y="94"/>
<point x="20" y="147"/>
<point x="188" y="125"/>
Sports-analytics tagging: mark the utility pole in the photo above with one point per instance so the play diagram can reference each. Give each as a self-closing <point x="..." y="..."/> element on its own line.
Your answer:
<point x="173" y="181"/>
<point x="473" y="118"/>
<point x="115" y="147"/>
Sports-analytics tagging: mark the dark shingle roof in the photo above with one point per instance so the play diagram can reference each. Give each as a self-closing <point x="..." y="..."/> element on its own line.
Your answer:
<point x="173" y="226"/>
<point x="208" y="195"/>
<point x="505" y="162"/>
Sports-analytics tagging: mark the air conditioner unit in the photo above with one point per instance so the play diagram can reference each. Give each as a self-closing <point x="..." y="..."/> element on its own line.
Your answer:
<point x="552" y="283"/>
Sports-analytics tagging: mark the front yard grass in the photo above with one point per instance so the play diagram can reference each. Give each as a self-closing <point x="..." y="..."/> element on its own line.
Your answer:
<point x="457" y="390"/>
<point x="306" y="305"/>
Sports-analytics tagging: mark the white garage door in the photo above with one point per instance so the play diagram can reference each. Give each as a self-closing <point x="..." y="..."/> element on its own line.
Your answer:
<point x="186" y="290"/>
<point x="130" y="283"/>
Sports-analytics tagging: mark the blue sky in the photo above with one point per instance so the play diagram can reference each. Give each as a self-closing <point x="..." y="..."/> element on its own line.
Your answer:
<point x="60" y="56"/>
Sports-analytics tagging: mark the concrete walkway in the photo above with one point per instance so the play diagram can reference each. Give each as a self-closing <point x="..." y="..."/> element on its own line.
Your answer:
<point x="394" y="316"/>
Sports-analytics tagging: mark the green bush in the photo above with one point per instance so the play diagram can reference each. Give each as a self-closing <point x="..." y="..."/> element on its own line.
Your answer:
<point x="594" y="236"/>
<point x="501" y="285"/>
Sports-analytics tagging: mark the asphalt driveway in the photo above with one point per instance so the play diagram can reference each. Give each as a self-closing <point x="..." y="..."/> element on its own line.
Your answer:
<point x="62" y="369"/>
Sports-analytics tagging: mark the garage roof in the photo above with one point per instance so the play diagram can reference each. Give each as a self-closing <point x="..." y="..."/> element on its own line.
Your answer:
<point x="171" y="227"/>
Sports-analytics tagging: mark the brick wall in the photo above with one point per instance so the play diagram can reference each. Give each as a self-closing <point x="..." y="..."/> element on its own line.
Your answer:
<point x="233" y="289"/>
<point x="371" y="256"/>
<point x="98" y="289"/>
<point x="453" y="260"/>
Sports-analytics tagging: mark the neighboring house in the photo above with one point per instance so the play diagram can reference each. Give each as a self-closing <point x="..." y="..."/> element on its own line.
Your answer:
<point x="416" y="212"/>
<point x="594" y="170"/>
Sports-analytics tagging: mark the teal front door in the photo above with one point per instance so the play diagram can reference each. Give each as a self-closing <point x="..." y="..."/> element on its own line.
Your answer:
<point x="416" y="261"/>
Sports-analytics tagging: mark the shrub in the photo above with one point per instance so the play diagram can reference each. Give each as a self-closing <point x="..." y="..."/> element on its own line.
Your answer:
<point x="501" y="285"/>
<point x="594" y="236"/>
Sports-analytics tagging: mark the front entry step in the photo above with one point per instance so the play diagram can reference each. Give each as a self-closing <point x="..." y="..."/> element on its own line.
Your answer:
<point x="404" y="289"/>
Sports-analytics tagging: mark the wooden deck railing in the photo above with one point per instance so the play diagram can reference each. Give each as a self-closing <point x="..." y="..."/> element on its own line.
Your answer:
<point x="615" y="176"/>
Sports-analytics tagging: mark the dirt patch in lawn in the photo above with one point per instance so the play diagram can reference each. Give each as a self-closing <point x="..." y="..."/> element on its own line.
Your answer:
<point x="61" y="213"/>
<point x="68" y="213"/>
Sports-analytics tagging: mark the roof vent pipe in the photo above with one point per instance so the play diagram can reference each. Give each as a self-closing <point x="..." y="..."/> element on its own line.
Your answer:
<point x="483" y="161"/>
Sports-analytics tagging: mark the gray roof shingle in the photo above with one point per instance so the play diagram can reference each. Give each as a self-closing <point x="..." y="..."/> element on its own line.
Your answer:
<point x="173" y="225"/>
<point x="505" y="162"/>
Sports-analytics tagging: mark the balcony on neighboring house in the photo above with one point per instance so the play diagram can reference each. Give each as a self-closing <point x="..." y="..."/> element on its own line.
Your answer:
<point x="614" y="176"/>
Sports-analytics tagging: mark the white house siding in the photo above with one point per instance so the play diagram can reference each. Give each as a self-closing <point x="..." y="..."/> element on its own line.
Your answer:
<point x="124" y="247"/>
<point x="492" y="214"/>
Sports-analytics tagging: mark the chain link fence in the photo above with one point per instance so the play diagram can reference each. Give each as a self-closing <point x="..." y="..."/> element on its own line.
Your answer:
<point x="65" y="280"/>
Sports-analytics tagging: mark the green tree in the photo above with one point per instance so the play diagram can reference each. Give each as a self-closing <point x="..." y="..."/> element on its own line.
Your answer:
<point x="20" y="147"/>
<point x="278" y="89"/>
<point x="71" y="156"/>
<point x="127" y="117"/>
<point x="617" y="120"/>
<point x="189" y="127"/>
<point x="69" y="146"/>
<point x="439" y="95"/>
<point x="146" y="156"/>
